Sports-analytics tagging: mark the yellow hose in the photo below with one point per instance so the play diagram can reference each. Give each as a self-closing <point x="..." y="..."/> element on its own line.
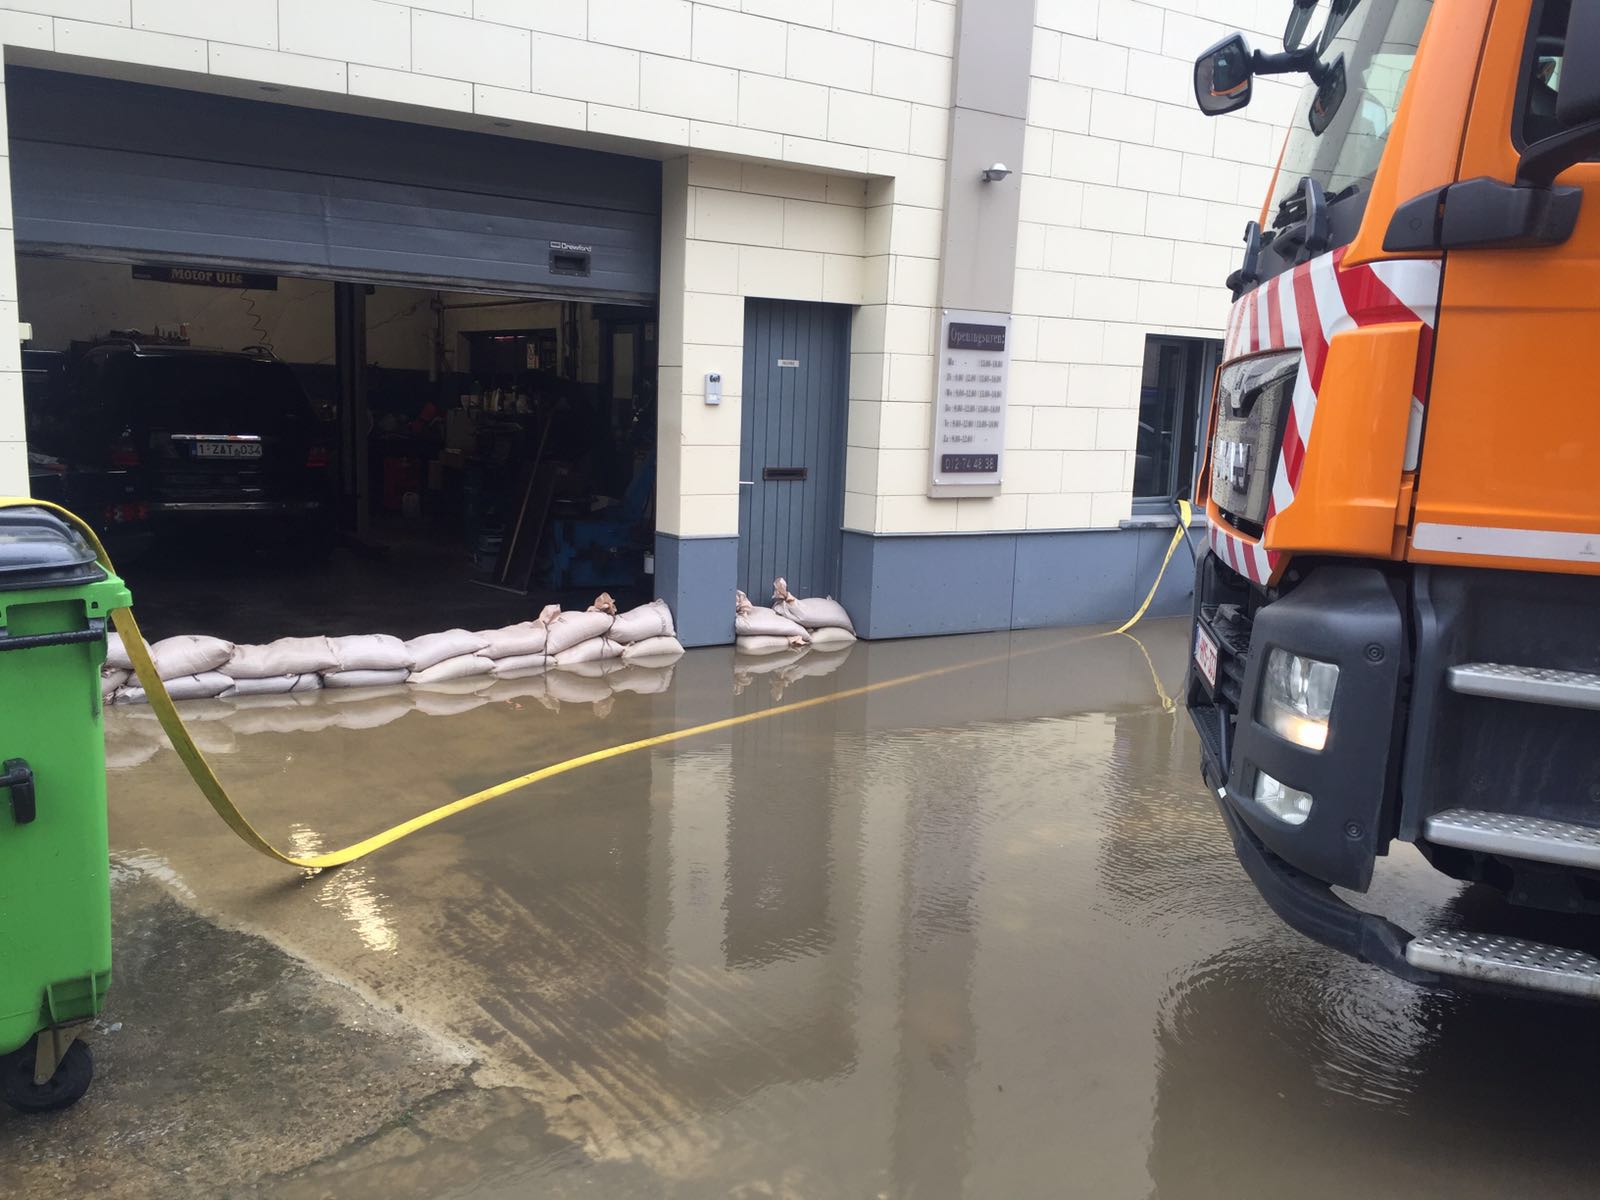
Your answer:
<point x="211" y="787"/>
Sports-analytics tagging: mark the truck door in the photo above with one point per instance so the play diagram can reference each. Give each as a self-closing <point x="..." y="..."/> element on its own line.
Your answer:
<point x="1511" y="443"/>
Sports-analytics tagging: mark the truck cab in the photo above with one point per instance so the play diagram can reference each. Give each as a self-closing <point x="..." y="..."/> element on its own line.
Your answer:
<point x="1397" y="624"/>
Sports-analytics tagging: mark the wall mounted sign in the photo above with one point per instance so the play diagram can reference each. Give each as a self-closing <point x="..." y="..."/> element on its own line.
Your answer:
<point x="208" y="277"/>
<point x="969" y="411"/>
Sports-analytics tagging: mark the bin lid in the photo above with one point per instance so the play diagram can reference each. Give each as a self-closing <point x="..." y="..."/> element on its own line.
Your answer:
<point x="39" y="549"/>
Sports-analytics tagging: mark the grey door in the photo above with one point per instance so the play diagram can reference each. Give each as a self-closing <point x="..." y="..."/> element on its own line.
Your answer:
<point x="791" y="461"/>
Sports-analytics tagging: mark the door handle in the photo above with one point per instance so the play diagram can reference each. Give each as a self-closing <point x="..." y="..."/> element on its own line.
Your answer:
<point x="19" y="778"/>
<point x="747" y="483"/>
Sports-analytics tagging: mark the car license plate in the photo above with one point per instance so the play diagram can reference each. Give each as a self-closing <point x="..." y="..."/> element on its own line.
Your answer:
<point x="1205" y="655"/>
<point x="227" y="450"/>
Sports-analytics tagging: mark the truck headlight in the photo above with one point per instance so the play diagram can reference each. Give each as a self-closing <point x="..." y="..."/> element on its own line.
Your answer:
<point x="1297" y="698"/>
<point x="1289" y="805"/>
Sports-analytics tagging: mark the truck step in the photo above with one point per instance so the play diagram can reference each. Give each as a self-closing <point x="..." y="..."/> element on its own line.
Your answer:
<point x="1532" y="685"/>
<point x="1493" y="958"/>
<point x="1516" y="836"/>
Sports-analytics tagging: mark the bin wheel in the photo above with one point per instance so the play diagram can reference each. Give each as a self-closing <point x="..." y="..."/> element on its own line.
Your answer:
<point x="65" y="1088"/>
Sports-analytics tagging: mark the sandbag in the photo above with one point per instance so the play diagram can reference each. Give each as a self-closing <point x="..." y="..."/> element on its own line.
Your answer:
<point x="189" y="654"/>
<point x="433" y="648"/>
<point x="831" y="637"/>
<point x="364" y="678"/>
<point x="273" y="685"/>
<point x="651" y="620"/>
<point x="548" y="613"/>
<point x="766" y="644"/>
<point x="308" y="682"/>
<point x="815" y="613"/>
<point x="662" y="649"/>
<point x="111" y="678"/>
<point x="187" y="687"/>
<point x="371" y="652"/>
<point x="575" y="689"/>
<point x="750" y="620"/>
<point x="286" y="656"/>
<point x="604" y="603"/>
<point x="641" y="681"/>
<point x="521" y="664"/>
<point x="462" y="666"/>
<point x="373" y="714"/>
<point x="514" y="641"/>
<point x="592" y="650"/>
<point x="117" y="654"/>
<point x="571" y="628"/>
<point x="435" y="702"/>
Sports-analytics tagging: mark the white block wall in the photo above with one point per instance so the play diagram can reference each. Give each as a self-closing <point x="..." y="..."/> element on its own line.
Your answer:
<point x="804" y="144"/>
<point x="13" y="434"/>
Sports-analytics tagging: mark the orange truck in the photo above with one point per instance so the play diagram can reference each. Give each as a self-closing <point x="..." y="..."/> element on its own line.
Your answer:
<point x="1397" y="624"/>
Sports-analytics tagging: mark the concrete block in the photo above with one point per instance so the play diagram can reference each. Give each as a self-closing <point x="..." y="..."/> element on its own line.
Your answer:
<point x="712" y="320"/>
<point x="860" y="512"/>
<point x="1107" y="299"/>
<point x="695" y="576"/>
<point x="1103" y="385"/>
<point x="1059" y="510"/>
<point x="27" y="30"/>
<point x="1118" y="429"/>
<point x="1123" y="118"/>
<point x="1149" y="169"/>
<point x="1185" y="128"/>
<point x="861" y="465"/>
<point x="842" y="279"/>
<point x="908" y="330"/>
<point x="1078" y="17"/>
<point x="1129" y="23"/>
<point x="732" y="39"/>
<point x="1093" y="64"/>
<point x="820" y="56"/>
<point x="568" y="18"/>
<point x="285" y="70"/>
<point x="372" y="32"/>
<point x="1051" y="201"/>
<point x="1110" y="508"/>
<point x="1086" y="159"/>
<point x="830" y="228"/>
<point x="1040" y="384"/>
<point x="709" y="516"/>
<point x="1055" y="105"/>
<point x="711" y="267"/>
<point x="914" y="281"/>
<point x="1045" y="62"/>
<point x="1043" y="294"/>
<point x="103" y="12"/>
<point x="239" y="24"/>
<point x="641" y="126"/>
<point x="783" y="105"/>
<point x="1162" y="78"/>
<point x="911" y="381"/>
<point x="992" y="514"/>
<point x="739" y="217"/>
<point x="409" y="87"/>
<point x="1135" y="256"/>
<point x="911" y="75"/>
<point x="584" y="71"/>
<point x="1092" y="470"/>
<point x="1078" y="251"/>
<point x="893" y="21"/>
<point x="861" y="120"/>
<point x="659" y="26"/>
<point x="916" y="231"/>
<point x="1168" y="303"/>
<point x="680" y="88"/>
<point x="816" y="13"/>
<point x="903" y="471"/>
<point x="1069" y="429"/>
<point x="917" y="514"/>
<point x="905" y="426"/>
<point x="936" y="26"/>
<point x="1115" y="210"/>
<point x="828" y="156"/>
<point x="529" y="107"/>
<point x="1208" y="178"/>
<point x="1033" y="470"/>
<point x="1070" y="340"/>
<point x="780" y="274"/>
<point x="122" y="44"/>
<point x="731" y="139"/>
<point x="1175" y="217"/>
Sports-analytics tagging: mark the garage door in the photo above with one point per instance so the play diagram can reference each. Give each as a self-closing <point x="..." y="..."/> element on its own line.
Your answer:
<point x="137" y="173"/>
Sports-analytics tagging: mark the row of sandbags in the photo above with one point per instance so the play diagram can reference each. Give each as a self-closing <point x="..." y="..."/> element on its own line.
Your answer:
<point x="194" y="667"/>
<point x="134" y="736"/>
<point x="790" y="624"/>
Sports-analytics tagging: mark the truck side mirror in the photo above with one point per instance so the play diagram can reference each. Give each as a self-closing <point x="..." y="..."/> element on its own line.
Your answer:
<point x="1299" y="18"/>
<point x="1222" y="77"/>
<point x="1577" y="104"/>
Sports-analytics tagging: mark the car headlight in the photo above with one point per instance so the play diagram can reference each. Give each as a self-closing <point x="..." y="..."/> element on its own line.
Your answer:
<point x="1289" y="805"/>
<point x="1297" y="698"/>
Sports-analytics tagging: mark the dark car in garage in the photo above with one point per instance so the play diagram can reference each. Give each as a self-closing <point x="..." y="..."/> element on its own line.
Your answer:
<point x="185" y="435"/>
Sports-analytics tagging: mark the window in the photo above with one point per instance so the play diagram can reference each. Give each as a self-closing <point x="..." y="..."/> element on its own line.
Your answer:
<point x="1541" y="73"/>
<point x="1178" y="374"/>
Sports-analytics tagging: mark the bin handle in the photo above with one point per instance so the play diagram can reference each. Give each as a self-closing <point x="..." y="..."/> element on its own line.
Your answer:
<point x="32" y="641"/>
<point x="19" y="778"/>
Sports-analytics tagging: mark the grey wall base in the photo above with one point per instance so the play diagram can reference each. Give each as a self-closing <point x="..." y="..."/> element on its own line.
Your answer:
<point x="697" y="578"/>
<point x="915" y="586"/>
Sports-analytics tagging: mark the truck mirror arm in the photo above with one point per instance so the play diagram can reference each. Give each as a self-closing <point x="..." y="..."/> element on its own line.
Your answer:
<point x="1545" y="159"/>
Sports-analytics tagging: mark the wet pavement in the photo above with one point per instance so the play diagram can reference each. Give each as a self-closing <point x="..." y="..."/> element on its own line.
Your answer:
<point x="980" y="934"/>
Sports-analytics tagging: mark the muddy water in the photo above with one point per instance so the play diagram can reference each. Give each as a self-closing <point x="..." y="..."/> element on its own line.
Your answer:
<point x="980" y="935"/>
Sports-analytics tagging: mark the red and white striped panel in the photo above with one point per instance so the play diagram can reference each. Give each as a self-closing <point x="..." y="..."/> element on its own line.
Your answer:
<point x="1302" y="310"/>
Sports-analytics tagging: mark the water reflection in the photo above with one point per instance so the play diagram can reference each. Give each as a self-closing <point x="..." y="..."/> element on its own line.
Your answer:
<point x="982" y="935"/>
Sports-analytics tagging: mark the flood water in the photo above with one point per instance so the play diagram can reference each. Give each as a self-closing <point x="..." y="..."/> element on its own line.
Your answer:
<point x="981" y="935"/>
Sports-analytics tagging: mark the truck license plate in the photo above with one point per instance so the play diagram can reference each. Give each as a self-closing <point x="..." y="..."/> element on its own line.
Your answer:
<point x="1205" y="655"/>
<point x="227" y="450"/>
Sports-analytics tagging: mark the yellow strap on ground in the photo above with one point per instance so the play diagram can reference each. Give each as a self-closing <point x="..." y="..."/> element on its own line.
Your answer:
<point x="211" y="787"/>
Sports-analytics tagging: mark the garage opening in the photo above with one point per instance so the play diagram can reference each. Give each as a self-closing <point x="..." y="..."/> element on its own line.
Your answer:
<point x="316" y="373"/>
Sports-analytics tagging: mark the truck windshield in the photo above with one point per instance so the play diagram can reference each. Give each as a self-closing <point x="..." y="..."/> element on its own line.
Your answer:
<point x="1379" y="41"/>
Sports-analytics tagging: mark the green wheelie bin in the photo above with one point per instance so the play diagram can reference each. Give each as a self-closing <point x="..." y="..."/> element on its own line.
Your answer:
<point x="55" y="896"/>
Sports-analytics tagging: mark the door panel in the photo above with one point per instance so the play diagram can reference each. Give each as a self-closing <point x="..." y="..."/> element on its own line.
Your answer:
<point x="1510" y="451"/>
<point x="791" y="459"/>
